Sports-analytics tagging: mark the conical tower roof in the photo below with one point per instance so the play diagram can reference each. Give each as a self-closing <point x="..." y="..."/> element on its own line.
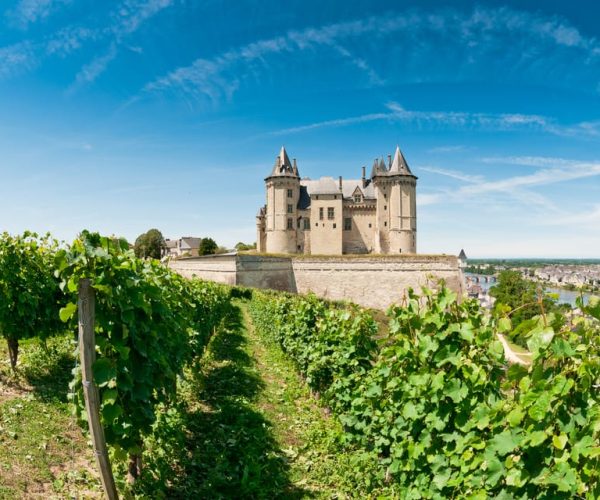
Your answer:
<point x="375" y="168"/>
<point x="399" y="165"/>
<point x="283" y="166"/>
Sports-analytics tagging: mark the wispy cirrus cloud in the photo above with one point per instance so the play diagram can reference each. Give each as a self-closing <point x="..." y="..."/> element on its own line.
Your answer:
<point x="521" y="187"/>
<point x="69" y="39"/>
<point x="130" y="15"/>
<point x="454" y="174"/>
<point x="127" y="19"/>
<point x="453" y="46"/>
<point x="454" y="119"/>
<point x="124" y="20"/>
<point x="27" y="12"/>
<point x="456" y="148"/>
<point x="17" y="58"/>
<point x="93" y="69"/>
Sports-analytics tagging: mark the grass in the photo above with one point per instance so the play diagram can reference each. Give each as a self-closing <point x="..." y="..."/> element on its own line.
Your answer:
<point x="42" y="450"/>
<point x="244" y="426"/>
<point x="247" y="427"/>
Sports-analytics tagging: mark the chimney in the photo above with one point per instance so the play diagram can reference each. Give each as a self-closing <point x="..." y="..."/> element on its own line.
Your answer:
<point x="364" y="176"/>
<point x="295" y="166"/>
<point x="340" y="182"/>
<point x="389" y="161"/>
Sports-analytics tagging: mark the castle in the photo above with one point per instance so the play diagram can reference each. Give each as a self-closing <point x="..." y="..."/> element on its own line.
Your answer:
<point x="328" y="217"/>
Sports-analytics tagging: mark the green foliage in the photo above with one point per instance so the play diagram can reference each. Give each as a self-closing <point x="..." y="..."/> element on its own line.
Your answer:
<point x="208" y="246"/>
<point x="150" y="245"/>
<point x="241" y="247"/>
<point x="522" y="300"/>
<point x="30" y="297"/>
<point x="487" y="270"/>
<point x="438" y="407"/>
<point x="327" y="344"/>
<point x="149" y="323"/>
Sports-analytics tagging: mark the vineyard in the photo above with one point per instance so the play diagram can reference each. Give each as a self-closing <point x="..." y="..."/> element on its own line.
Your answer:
<point x="223" y="392"/>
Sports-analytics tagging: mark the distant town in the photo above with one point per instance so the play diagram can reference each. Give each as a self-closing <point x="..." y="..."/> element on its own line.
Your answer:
<point x="559" y="276"/>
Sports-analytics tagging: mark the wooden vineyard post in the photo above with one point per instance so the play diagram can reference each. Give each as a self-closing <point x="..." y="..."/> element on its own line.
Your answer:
<point x="87" y="353"/>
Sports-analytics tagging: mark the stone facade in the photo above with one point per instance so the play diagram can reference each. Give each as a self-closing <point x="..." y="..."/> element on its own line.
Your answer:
<point x="370" y="281"/>
<point x="328" y="217"/>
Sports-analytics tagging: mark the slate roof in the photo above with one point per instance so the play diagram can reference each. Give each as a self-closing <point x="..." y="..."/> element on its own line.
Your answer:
<point x="190" y="243"/>
<point x="399" y="165"/>
<point x="328" y="185"/>
<point x="283" y="166"/>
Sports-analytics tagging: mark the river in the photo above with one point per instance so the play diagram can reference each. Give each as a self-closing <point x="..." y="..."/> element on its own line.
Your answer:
<point x="564" y="296"/>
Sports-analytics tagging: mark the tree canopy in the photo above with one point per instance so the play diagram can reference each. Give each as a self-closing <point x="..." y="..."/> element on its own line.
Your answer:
<point x="208" y="246"/>
<point x="240" y="246"/>
<point x="150" y="244"/>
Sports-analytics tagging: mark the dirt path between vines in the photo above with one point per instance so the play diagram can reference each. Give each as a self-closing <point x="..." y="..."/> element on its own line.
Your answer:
<point x="308" y="438"/>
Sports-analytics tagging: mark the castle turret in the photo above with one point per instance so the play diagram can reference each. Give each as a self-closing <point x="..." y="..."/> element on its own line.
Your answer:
<point x="396" y="212"/>
<point x="402" y="206"/>
<point x="283" y="192"/>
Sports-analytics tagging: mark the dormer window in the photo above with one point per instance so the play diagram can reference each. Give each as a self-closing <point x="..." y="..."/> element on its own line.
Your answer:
<point x="357" y="198"/>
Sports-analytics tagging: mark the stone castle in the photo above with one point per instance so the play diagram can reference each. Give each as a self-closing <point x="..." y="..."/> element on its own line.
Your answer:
<point x="375" y="214"/>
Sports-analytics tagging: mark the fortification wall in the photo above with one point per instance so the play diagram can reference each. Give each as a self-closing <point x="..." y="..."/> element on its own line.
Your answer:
<point x="275" y="273"/>
<point x="376" y="282"/>
<point x="373" y="282"/>
<point x="219" y="268"/>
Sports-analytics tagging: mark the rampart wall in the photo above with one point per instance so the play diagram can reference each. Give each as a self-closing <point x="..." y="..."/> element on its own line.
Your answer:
<point x="373" y="281"/>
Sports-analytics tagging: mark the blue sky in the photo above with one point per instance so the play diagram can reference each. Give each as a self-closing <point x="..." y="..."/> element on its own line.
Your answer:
<point x="123" y="115"/>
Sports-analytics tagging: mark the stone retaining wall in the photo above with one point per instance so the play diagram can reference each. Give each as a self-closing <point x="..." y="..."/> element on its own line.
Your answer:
<point x="375" y="282"/>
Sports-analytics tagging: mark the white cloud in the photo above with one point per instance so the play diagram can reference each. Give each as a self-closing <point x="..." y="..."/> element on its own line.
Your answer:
<point x="16" y="58"/>
<point x="454" y="174"/>
<point x="69" y="39"/>
<point x="132" y="13"/>
<point x="518" y="188"/>
<point x="589" y="218"/>
<point x="458" y="148"/>
<point x="93" y="69"/>
<point x="451" y="119"/>
<point x="127" y="19"/>
<point x="470" y="39"/>
<point x="29" y="11"/>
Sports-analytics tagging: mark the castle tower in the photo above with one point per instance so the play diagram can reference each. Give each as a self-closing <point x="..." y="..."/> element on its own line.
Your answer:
<point x="281" y="217"/>
<point x="379" y="177"/>
<point x="402" y="206"/>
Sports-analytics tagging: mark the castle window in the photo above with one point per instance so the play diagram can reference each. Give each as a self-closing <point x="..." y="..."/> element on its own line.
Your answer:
<point x="370" y="225"/>
<point x="320" y="213"/>
<point x="290" y="193"/>
<point x="347" y="224"/>
<point x="330" y="213"/>
<point x="385" y="223"/>
<point x="290" y="208"/>
<point x="385" y="207"/>
<point x="290" y="224"/>
<point x="306" y="224"/>
<point x="334" y="225"/>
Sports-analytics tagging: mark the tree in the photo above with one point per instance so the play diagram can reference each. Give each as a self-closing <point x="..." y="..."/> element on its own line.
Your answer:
<point x="208" y="246"/>
<point x="241" y="247"/>
<point x="150" y="244"/>
<point x="30" y="297"/>
<point x="525" y="298"/>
